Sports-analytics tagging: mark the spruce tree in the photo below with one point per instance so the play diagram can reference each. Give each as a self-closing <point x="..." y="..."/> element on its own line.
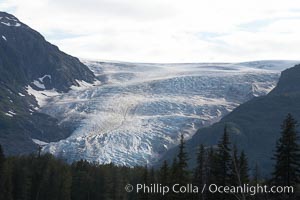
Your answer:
<point x="235" y="178"/>
<point x="6" y="181"/>
<point x="152" y="176"/>
<point x="239" y="170"/>
<point x="209" y="170"/>
<point x="223" y="162"/>
<point x="256" y="178"/>
<point x="146" y="175"/>
<point x="209" y="165"/>
<point x="174" y="178"/>
<point x="145" y="180"/>
<point x="199" y="171"/>
<point x="164" y="174"/>
<point x="2" y="158"/>
<point x="182" y="165"/>
<point x="222" y="166"/>
<point x="244" y="169"/>
<point x="287" y="155"/>
<point x="164" y="179"/>
<point x="174" y="171"/>
<point x="21" y="180"/>
<point x="239" y="167"/>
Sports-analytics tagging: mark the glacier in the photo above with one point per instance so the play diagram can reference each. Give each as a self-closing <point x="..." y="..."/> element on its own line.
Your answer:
<point x="137" y="111"/>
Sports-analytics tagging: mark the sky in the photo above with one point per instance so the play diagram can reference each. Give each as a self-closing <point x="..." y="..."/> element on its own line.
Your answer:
<point x="166" y="31"/>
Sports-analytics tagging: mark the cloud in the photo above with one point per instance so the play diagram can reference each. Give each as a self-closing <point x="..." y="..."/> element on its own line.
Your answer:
<point x="166" y="30"/>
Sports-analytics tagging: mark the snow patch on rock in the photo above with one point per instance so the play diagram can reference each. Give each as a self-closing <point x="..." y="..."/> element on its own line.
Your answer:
<point x="38" y="84"/>
<point x="39" y="142"/>
<point x="10" y="21"/>
<point x="45" y="76"/>
<point x="82" y="85"/>
<point x="10" y="113"/>
<point x="16" y="24"/>
<point x="42" y="96"/>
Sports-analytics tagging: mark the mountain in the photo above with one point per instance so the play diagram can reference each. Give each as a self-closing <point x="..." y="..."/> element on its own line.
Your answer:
<point x="139" y="110"/>
<point x="29" y="65"/>
<point x="27" y="57"/>
<point x="255" y="125"/>
<point x="126" y="113"/>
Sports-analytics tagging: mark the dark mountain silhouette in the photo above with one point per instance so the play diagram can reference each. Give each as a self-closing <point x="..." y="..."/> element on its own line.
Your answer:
<point x="27" y="59"/>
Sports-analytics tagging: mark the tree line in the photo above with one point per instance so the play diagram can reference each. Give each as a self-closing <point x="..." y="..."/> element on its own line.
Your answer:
<point x="44" y="177"/>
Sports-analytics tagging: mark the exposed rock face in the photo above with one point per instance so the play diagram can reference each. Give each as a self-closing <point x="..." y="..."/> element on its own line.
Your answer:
<point x="28" y="60"/>
<point x="26" y="56"/>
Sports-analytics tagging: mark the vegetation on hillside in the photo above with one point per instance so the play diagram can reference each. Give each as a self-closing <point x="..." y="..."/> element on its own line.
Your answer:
<point x="44" y="177"/>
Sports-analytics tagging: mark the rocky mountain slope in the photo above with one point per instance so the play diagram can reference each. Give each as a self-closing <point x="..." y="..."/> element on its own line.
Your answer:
<point x="28" y="63"/>
<point x="255" y="125"/>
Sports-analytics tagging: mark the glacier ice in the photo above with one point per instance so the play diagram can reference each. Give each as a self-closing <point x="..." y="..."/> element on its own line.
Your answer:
<point x="136" y="112"/>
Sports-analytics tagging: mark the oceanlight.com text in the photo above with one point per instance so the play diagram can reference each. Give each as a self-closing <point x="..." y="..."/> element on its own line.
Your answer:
<point x="211" y="188"/>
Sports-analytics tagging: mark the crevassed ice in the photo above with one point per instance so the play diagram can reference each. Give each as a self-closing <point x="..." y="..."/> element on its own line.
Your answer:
<point x="138" y="111"/>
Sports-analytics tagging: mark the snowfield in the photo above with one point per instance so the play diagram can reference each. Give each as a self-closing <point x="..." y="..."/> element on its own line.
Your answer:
<point x="136" y="112"/>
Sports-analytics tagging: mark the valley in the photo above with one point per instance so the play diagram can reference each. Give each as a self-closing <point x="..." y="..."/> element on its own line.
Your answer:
<point x="135" y="112"/>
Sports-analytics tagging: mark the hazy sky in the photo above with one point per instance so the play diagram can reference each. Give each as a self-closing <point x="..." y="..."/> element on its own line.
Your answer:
<point x="166" y="30"/>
